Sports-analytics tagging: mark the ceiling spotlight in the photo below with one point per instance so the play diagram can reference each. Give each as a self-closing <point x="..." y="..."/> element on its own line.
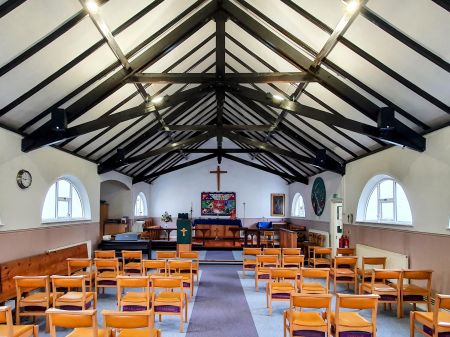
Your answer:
<point x="277" y="98"/>
<point x="157" y="100"/>
<point x="352" y="5"/>
<point x="92" y="6"/>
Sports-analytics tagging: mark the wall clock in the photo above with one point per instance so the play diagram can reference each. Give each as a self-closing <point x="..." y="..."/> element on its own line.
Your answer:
<point x="318" y="196"/>
<point x="24" y="179"/>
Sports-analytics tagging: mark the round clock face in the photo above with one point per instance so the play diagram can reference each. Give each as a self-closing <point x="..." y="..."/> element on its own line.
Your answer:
<point x="24" y="179"/>
<point x="318" y="196"/>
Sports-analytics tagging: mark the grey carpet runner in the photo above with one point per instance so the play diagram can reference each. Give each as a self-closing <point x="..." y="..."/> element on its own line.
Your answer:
<point x="221" y="309"/>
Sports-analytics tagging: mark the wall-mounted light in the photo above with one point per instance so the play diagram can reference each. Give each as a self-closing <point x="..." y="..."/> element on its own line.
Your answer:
<point x="92" y="6"/>
<point x="157" y="100"/>
<point x="277" y="98"/>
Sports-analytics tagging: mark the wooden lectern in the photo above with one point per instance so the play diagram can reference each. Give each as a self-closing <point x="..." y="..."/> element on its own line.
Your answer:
<point x="184" y="235"/>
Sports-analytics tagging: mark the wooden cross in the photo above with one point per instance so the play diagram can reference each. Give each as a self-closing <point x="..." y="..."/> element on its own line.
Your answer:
<point x="184" y="230"/>
<point x="218" y="172"/>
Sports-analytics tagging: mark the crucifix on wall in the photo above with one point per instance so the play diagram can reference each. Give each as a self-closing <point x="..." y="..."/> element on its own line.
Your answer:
<point x="218" y="172"/>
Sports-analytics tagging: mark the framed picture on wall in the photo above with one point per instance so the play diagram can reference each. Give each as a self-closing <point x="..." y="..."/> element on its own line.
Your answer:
<point x="278" y="204"/>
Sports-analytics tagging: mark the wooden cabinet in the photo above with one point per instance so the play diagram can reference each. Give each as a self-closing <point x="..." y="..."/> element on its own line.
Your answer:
<point x="103" y="217"/>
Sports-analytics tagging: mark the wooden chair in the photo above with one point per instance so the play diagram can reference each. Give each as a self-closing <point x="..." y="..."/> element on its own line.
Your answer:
<point x="183" y="269"/>
<point x="268" y="239"/>
<point x="291" y="251"/>
<point x="195" y="262"/>
<point x="263" y="265"/>
<point x="105" y="254"/>
<point x="33" y="297"/>
<point x="293" y="261"/>
<point x="367" y="265"/>
<point x="345" y="252"/>
<point x="344" y="271"/>
<point x="381" y="284"/>
<point x="81" y="267"/>
<point x="83" y="323"/>
<point x="282" y="283"/>
<point x="249" y="258"/>
<point x="80" y="299"/>
<point x="133" y="300"/>
<point x="321" y="257"/>
<point x="314" y="287"/>
<point x="8" y="329"/>
<point x="154" y="267"/>
<point x="413" y="293"/>
<point x="343" y="321"/>
<point x="272" y="251"/>
<point x="299" y="322"/>
<point x="130" y="324"/>
<point x="132" y="262"/>
<point x="166" y="255"/>
<point x="434" y="323"/>
<point x="106" y="272"/>
<point x="172" y="301"/>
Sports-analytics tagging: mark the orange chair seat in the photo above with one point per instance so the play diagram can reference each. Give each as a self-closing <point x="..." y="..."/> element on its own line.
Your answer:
<point x="306" y="318"/>
<point x="18" y="330"/>
<point x="320" y="260"/>
<point x="378" y="287"/>
<point x="313" y="285"/>
<point x="84" y="332"/>
<point x="167" y="296"/>
<point x="282" y="286"/>
<point x="107" y="274"/>
<point x="157" y="274"/>
<point x="412" y="289"/>
<point x="443" y="317"/>
<point x="84" y="273"/>
<point x="351" y="319"/>
<point x="73" y="296"/>
<point x="343" y="271"/>
<point x="185" y="277"/>
<point x="137" y="333"/>
<point x="136" y="297"/>
<point x="38" y="297"/>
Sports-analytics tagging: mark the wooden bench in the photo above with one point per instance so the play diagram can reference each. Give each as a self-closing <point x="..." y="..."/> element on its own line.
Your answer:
<point x="49" y="263"/>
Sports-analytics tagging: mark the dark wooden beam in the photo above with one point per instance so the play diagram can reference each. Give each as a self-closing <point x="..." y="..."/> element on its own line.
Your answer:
<point x="301" y="179"/>
<point x="270" y="77"/>
<point x="173" y="168"/>
<point x="120" y="162"/>
<point x="149" y="56"/>
<point x="399" y="134"/>
<point x="225" y="127"/>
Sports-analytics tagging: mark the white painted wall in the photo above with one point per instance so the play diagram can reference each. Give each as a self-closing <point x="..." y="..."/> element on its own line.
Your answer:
<point x="174" y="192"/>
<point x="21" y="209"/>
<point x="332" y="186"/>
<point x="425" y="177"/>
<point x="119" y="198"/>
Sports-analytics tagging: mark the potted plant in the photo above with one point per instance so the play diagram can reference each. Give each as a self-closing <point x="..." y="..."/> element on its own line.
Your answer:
<point x="166" y="217"/>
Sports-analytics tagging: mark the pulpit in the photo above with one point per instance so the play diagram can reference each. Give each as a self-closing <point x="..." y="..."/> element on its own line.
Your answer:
<point x="184" y="235"/>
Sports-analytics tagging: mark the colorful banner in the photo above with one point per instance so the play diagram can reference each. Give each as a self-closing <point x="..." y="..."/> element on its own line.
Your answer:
<point x="218" y="203"/>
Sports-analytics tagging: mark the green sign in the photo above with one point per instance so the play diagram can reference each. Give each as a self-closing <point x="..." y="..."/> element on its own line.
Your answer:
<point x="184" y="231"/>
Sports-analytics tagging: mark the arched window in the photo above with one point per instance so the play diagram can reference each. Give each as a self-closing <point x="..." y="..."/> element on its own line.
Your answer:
<point x="383" y="200"/>
<point x="298" y="206"/>
<point x="66" y="200"/>
<point x="140" y="207"/>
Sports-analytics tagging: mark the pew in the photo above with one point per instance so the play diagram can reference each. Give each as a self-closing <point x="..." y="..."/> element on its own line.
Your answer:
<point x="49" y="263"/>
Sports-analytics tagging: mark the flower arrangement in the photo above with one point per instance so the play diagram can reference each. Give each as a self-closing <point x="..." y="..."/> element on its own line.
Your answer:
<point x="166" y="217"/>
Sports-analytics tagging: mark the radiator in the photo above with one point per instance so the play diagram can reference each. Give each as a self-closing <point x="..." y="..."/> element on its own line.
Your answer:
<point x="88" y="243"/>
<point x="327" y="236"/>
<point x="393" y="261"/>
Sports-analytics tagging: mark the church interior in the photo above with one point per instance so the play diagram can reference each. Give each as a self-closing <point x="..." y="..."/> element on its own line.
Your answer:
<point x="209" y="168"/>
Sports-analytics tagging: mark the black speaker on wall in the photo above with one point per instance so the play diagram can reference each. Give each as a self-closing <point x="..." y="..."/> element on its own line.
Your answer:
<point x="59" y="120"/>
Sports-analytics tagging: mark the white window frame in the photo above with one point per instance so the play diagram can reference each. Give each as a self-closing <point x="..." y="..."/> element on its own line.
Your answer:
<point x="85" y="206"/>
<point x="141" y="196"/>
<point x="372" y="184"/>
<point x="295" y="200"/>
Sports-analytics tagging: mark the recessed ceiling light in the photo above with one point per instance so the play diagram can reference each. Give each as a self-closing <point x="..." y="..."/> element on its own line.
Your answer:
<point x="352" y="5"/>
<point x="157" y="100"/>
<point x="92" y="6"/>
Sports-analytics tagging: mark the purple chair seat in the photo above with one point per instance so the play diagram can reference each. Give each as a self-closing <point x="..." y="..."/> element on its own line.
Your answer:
<point x="309" y="333"/>
<point x="107" y="283"/>
<point x="344" y="278"/>
<point x="133" y="271"/>
<point x="75" y="307"/>
<point x="429" y="331"/>
<point x="264" y="276"/>
<point x="166" y="308"/>
<point x="352" y="333"/>
<point x="134" y="308"/>
<point x="413" y="298"/>
<point x="186" y="285"/>
<point x="34" y="308"/>
<point x="250" y="265"/>
<point x="281" y="295"/>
